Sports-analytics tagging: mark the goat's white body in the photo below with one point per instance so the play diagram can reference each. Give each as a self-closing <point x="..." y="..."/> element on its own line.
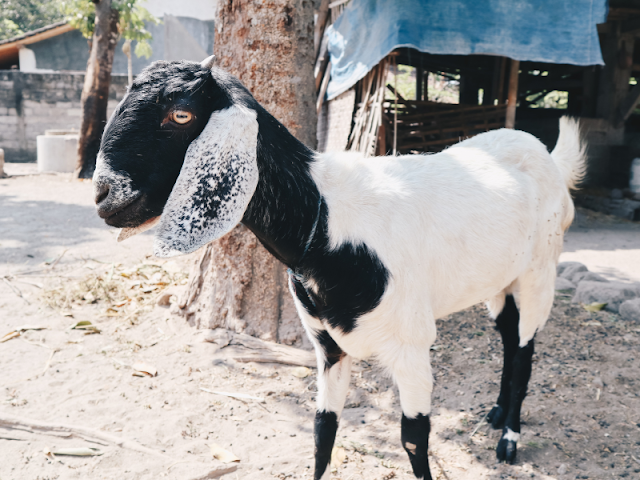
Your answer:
<point x="456" y="228"/>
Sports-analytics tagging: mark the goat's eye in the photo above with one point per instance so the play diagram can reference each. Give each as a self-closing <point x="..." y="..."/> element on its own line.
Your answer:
<point x="181" y="117"/>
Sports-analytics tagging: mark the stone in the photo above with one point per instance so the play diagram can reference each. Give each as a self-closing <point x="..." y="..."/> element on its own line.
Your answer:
<point x="562" y="266"/>
<point x="562" y="469"/>
<point x="613" y="294"/>
<point x="588" y="276"/>
<point x="630" y="310"/>
<point x="564" y="284"/>
<point x="616" y="194"/>
<point x="569" y="269"/>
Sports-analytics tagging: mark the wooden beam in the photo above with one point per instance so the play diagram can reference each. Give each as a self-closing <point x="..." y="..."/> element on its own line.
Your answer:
<point x="627" y="105"/>
<point x="512" y="96"/>
<point x="323" y="87"/>
<point x="28" y="39"/>
<point x="321" y="62"/>
<point x="498" y="79"/>
<point x="321" y="21"/>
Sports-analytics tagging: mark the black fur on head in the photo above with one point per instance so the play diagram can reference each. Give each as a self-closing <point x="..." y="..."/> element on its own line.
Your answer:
<point x="144" y="143"/>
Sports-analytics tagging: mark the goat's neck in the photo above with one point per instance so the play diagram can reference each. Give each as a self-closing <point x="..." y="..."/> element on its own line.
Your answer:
<point x="284" y="207"/>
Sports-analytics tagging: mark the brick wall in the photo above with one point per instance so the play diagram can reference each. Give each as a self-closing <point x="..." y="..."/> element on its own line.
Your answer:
<point x="31" y="103"/>
<point x="334" y="122"/>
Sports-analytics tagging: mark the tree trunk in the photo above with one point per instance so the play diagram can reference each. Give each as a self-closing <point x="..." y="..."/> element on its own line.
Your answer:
<point x="235" y="283"/>
<point x="95" y="93"/>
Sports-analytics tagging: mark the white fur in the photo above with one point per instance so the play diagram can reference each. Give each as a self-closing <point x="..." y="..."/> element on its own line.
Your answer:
<point x="120" y="186"/>
<point x="483" y="218"/>
<point x="225" y="151"/>
<point x="511" y="436"/>
<point x="333" y="383"/>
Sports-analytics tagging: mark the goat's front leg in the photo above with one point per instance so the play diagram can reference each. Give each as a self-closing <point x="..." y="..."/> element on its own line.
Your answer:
<point x="411" y="370"/>
<point x="334" y="371"/>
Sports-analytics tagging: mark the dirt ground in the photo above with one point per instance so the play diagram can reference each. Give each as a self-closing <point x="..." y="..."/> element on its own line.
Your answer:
<point x="581" y="418"/>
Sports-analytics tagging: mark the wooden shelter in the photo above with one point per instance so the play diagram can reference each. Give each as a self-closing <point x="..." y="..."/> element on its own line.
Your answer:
<point x="496" y="92"/>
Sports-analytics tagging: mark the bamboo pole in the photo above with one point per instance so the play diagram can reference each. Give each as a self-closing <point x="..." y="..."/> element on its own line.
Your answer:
<point x="512" y="97"/>
<point x="395" y="106"/>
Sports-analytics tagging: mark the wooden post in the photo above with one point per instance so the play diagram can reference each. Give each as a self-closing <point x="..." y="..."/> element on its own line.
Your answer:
<point x="419" y="83"/>
<point x="498" y="79"/>
<point x="512" y="96"/>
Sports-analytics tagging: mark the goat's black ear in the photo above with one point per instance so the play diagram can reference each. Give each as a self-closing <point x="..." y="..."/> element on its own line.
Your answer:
<point x="216" y="183"/>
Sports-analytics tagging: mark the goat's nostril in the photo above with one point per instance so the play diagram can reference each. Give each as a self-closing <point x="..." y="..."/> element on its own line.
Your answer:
<point x="102" y="192"/>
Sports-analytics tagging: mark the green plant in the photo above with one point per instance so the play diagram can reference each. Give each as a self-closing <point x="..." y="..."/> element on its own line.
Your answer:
<point x="81" y="14"/>
<point x="20" y="16"/>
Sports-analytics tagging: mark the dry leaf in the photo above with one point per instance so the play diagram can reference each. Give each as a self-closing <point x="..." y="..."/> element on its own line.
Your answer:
<point x="301" y="372"/>
<point x="18" y="331"/>
<point x="78" y="452"/>
<point x="85" y="325"/>
<point x="592" y="323"/>
<point x="225" y="456"/>
<point x="144" y="370"/>
<point x="24" y="328"/>
<point x="338" y="456"/>
<point x="594" y="307"/>
<point x="9" y="336"/>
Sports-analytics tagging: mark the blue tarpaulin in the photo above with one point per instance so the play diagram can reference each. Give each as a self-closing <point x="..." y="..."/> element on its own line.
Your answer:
<point x="552" y="31"/>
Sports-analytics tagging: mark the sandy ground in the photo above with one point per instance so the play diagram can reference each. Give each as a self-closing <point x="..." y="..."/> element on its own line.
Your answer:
<point x="580" y="420"/>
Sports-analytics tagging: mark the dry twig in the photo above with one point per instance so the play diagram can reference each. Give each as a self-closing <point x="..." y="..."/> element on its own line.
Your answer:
<point x="33" y="426"/>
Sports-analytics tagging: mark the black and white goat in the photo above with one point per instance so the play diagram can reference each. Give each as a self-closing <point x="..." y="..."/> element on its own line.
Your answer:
<point x="379" y="248"/>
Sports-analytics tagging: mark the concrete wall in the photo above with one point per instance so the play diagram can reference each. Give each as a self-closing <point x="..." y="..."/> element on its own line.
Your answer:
<point x="31" y="103"/>
<point x="177" y="38"/>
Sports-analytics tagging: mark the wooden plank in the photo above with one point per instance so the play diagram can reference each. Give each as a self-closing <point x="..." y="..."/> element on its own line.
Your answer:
<point x="323" y="88"/>
<point x="323" y="13"/>
<point x="481" y="126"/>
<point x="512" y="96"/>
<point x="322" y="62"/>
<point x="419" y="83"/>
<point x="381" y="148"/>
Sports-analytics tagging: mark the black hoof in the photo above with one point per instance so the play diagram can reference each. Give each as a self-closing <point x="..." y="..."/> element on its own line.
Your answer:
<point x="506" y="450"/>
<point x="497" y="416"/>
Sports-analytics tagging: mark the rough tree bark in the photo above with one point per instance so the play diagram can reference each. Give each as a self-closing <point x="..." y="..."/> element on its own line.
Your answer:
<point x="95" y="93"/>
<point x="235" y="282"/>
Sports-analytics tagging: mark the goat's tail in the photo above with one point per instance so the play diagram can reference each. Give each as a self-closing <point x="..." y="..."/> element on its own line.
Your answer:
<point x="570" y="152"/>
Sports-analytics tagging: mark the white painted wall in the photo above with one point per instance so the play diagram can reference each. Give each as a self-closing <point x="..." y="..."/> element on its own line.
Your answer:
<point x="27" y="59"/>
<point x="200" y="9"/>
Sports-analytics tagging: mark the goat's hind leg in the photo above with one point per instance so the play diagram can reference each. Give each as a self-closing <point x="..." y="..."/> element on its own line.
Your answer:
<point x="536" y="299"/>
<point x="334" y="371"/>
<point x="507" y="324"/>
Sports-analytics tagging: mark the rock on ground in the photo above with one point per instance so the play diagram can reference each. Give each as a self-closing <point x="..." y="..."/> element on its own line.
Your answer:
<point x="564" y="284"/>
<point x="569" y="269"/>
<point x="630" y="310"/>
<point x="611" y="293"/>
